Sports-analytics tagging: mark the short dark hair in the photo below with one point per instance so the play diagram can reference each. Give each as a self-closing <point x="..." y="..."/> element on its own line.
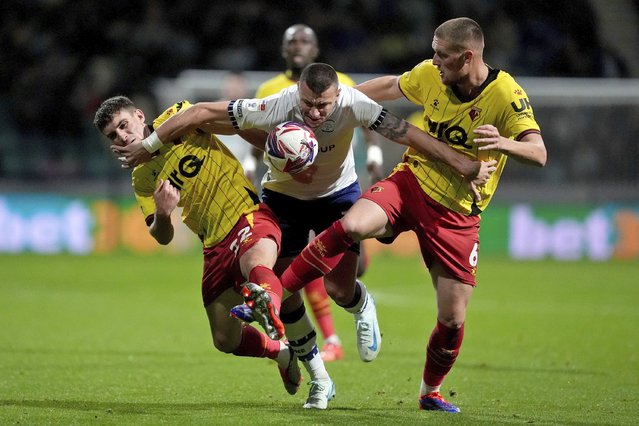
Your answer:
<point x="109" y="108"/>
<point x="319" y="77"/>
<point x="462" y="33"/>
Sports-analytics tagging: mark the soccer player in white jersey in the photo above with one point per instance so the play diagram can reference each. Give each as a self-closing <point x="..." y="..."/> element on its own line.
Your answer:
<point x="300" y="48"/>
<point x="329" y="187"/>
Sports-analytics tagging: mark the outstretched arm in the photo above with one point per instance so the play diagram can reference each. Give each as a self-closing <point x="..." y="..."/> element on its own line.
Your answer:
<point x="200" y="115"/>
<point x="379" y="89"/>
<point x="189" y="119"/>
<point x="404" y="133"/>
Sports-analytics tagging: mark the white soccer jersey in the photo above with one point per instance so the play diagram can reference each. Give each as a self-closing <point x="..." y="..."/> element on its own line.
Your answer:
<point x="334" y="167"/>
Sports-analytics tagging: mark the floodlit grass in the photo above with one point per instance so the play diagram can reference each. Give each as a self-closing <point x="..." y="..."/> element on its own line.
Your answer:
<point x="124" y="340"/>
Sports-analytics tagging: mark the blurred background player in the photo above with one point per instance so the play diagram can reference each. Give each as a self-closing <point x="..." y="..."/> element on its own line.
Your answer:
<point x="240" y="235"/>
<point x="235" y="86"/>
<point x="481" y="112"/>
<point x="299" y="49"/>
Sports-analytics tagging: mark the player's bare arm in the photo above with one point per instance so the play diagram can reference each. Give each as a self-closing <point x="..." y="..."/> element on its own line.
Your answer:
<point x="529" y="150"/>
<point x="379" y="89"/>
<point x="402" y="132"/>
<point x="190" y="119"/>
<point x="200" y="115"/>
<point x="166" y="199"/>
<point x="255" y="137"/>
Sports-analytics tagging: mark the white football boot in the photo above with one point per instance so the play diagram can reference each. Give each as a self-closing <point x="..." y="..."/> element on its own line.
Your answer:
<point x="320" y="393"/>
<point x="369" y="338"/>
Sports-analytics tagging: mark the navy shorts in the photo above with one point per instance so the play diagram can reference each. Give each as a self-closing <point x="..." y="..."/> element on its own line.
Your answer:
<point x="298" y="217"/>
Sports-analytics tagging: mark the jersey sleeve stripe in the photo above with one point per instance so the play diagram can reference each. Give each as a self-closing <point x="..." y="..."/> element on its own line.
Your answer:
<point x="526" y="132"/>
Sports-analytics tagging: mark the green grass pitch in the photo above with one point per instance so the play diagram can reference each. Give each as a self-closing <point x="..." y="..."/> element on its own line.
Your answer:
<point x="86" y="340"/>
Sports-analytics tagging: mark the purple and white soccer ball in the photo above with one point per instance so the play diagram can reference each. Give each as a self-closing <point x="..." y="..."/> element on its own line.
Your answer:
<point x="291" y="147"/>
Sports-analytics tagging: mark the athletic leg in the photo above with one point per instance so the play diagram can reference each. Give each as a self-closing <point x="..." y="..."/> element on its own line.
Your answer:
<point x="365" y="219"/>
<point x="303" y="339"/>
<point x="320" y="303"/>
<point x="263" y="291"/>
<point x="446" y="338"/>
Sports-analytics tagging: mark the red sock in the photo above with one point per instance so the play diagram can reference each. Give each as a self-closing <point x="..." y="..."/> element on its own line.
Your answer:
<point x="257" y="344"/>
<point x="441" y="352"/>
<point x="266" y="278"/>
<point x="318" y="258"/>
<point x="321" y="304"/>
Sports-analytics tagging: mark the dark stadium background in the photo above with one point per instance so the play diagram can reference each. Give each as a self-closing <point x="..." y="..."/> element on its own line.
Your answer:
<point x="577" y="59"/>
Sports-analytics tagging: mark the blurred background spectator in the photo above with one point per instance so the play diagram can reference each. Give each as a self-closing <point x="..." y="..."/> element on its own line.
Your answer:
<point x="59" y="60"/>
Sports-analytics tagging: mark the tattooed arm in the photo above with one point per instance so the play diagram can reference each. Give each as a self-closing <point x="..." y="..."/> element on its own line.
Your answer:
<point x="404" y="133"/>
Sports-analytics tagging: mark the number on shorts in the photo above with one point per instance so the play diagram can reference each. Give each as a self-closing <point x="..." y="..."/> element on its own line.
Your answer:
<point x="241" y="236"/>
<point x="474" y="254"/>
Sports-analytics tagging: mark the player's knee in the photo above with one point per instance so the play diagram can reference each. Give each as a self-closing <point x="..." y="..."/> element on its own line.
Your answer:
<point x="451" y="321"/>
<point x="353" y="228"/>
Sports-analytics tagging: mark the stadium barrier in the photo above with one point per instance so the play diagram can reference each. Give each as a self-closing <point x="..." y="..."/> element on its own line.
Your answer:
<point x="49" y="224"/>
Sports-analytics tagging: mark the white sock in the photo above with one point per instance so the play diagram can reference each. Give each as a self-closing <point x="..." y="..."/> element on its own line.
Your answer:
<point x="425" y="389"/>
<point x="303" y="339"/>
<point x="333" y="340"/>
<point x="361" y="303"/>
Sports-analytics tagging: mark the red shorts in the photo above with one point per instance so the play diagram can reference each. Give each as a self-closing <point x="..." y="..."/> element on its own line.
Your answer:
<point x="444" y="236"/>
<point x="221" y="262"/>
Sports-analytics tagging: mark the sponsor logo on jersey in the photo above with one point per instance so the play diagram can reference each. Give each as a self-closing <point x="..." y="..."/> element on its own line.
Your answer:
<point x="188" y="167"/>
<point x="521" y="105"/>
<point x="255" y="106"/>
<point x="377" y="189"/>
<point x="454" y="134"/>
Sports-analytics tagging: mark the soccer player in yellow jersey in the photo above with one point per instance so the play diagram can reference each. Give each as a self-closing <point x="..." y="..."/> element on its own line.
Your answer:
<point x="240" y="235"/>
<point x="299" y="49"/>
<point x="479" y="111"/>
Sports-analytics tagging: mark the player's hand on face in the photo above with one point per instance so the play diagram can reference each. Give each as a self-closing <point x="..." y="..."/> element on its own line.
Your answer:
<point x="489" y="138"/>
<point x="166" y="197"/>
<point x="132" y="154"/>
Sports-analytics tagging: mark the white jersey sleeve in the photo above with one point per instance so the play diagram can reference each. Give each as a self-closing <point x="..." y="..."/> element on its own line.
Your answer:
<point x="265" y="113"/>
<point x="334" y="166"/>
